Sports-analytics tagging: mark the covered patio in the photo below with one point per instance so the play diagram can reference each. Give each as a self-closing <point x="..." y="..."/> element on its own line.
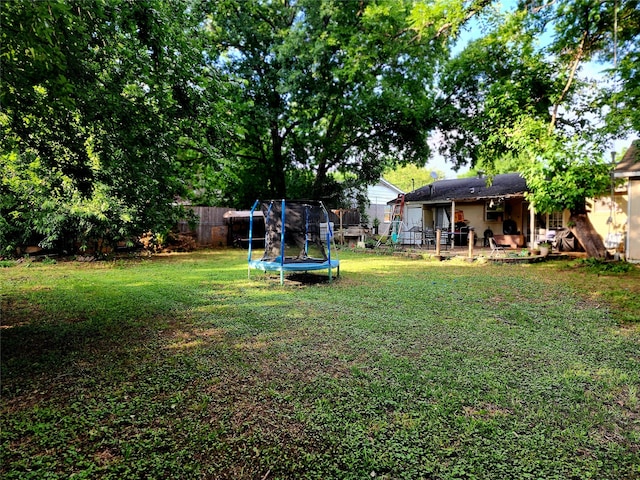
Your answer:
<point x="473" y="209"/>
<point x="471" y="253"/>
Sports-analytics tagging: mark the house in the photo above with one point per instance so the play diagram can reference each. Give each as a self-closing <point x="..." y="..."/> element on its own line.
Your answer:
<point x="628" y="227"/>
<point x="490" y="208"/>
<point x="500" y="208"/>
<point x="379" y="195"/>
<point x="616" y="215"/>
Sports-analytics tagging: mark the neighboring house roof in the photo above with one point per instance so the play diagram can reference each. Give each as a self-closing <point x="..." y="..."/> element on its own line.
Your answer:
<point x="389" y="185"/>
<point x="629" y="166"/>
<point x="469" y="189"/>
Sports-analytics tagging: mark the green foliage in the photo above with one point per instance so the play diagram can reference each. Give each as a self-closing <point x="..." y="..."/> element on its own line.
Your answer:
<point x="49" y="261"/>
<point x="561" y="173"/>
<point x="99" y="98"/>
<point x="322" y="86"/>
<point x="180" y="367"/>
<point x="410" y="177"/>
<point x="605" y="32"/>
<point x="493" y="83"/>
<point x="622" y="99"/>
<point x="508" y="80"/>
<point x="596" y="265"/>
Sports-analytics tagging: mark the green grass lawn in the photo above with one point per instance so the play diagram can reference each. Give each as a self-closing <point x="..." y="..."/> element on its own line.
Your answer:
<point x="182" y="367"/>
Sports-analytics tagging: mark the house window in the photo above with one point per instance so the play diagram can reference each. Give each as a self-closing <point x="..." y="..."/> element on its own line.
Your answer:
<point x="494" y="211"/>
<point x="555" y="221"/>
<point x="387" y="214"/>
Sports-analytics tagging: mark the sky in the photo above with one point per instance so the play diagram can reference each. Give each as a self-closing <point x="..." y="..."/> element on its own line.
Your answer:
<point x="437" y="162"/>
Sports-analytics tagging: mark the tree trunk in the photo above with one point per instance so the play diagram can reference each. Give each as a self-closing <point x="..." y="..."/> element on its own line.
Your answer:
<point x="277" y="178"/>
<point x="587" y="235"/>
<point x="319" y="181"/>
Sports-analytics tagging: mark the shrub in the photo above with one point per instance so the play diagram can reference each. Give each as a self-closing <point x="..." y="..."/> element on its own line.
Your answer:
<point x="596" y="265"/>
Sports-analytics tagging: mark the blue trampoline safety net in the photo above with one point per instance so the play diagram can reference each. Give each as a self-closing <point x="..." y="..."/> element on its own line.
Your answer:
<point x="298" y="237"/>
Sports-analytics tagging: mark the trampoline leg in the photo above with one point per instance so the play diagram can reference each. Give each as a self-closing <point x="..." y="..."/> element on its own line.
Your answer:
<point x="281" y="277"/>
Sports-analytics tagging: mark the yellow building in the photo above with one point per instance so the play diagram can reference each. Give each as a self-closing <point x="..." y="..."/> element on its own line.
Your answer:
<point x="625" y="221"/>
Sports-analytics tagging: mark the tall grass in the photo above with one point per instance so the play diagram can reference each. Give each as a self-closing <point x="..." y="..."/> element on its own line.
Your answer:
<point x="182" y="367"/>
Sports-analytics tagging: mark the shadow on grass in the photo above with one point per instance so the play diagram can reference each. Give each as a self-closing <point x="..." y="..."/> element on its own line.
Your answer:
<point x="34" y="349"/>
<point x="308" y="279"/>
<point x="301" y="279"/>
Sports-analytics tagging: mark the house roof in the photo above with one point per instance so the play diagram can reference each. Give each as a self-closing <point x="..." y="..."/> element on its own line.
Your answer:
<point x="629" y="166"/>
<point x="469" y="189"/>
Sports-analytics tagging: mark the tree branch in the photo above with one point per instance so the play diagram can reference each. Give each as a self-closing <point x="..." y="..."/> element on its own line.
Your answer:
<point x="473" y="10"/>
<point x="539" y="8"/>
<point x="574" y="67"/>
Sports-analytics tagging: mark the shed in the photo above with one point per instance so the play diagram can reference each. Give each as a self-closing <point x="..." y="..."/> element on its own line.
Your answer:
<point x="238" y="227"/>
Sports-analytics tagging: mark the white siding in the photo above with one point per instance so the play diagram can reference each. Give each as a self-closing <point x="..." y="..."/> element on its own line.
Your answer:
<point x="379" y="195"/>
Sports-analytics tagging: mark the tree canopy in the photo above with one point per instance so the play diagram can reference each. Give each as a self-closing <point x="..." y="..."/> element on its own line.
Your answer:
<point x="410" y="177"/>
<point x="321" y="87"/>
<point x="115" y="111"/>
<point x="98" y="97"/>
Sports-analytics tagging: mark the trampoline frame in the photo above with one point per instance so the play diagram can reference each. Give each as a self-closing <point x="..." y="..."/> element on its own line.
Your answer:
<point x="284" y="264"/>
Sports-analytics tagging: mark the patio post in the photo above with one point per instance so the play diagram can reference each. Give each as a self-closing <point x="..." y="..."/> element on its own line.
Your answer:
<point x="453" y="222"/>
<point x="438" y="237"/>
<point x="532" y="225"/>
<point x="471" y="242"/>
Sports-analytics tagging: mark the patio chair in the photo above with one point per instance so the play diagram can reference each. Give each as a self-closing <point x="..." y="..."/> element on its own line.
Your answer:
<point x="613" y="244"/>
<point x="430" y="238"/>
<point x="495" y="248"/>
<point x="612" y="241"/>
<point x="446" y="239"/>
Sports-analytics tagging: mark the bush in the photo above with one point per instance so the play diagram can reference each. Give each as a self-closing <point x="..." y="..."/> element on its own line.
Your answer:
<point x="596" y="265"/>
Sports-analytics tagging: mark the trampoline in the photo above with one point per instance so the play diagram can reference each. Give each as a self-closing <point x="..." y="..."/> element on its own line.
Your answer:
<point x="298" y="238"/>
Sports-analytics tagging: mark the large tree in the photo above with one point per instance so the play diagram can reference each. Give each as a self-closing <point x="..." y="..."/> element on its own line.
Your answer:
<point x="324" y="86"/>
<point x="99" y="97"/>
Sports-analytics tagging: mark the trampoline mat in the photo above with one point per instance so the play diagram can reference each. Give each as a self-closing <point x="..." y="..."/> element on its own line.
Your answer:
<point x="294" y="265"/>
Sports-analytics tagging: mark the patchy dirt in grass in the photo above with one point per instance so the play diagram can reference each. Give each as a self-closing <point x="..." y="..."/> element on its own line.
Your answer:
<point x="185" y="339"/>
<point x="622" y="290"/>
<point x="15" y="312"/>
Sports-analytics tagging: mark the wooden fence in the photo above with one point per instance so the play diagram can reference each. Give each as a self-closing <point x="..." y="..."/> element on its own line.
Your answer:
<point x="210" y="229"/>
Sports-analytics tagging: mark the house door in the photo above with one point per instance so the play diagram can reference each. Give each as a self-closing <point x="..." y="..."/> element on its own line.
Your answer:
<point x="427" y="217"/>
